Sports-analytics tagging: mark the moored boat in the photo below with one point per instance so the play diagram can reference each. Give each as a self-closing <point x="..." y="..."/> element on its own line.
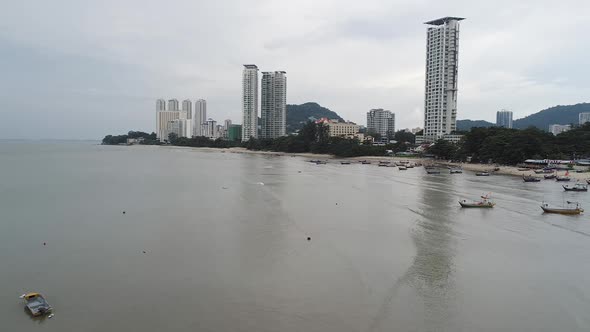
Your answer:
<point x="345" y="163"/>
<point x="432" y="171"/>
<point x="455" y="171"/>
<point x="483" y="203"/>
<point x="482" y="174"/>
<point x="402" y="168"/>
<point x="364" y="162"/>
<point x="530" y="178"/>
<point x="550" y="176"/>
<point x="571" y="209"/>
<point x="576" y="187"/>
<point x="563" y="178"/>
<point x="36" y="304"/>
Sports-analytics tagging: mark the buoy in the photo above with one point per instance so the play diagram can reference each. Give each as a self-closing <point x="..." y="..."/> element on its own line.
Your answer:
<point x="309" y="238"/>
<point x="143" y="251"/>
<point x="123" y="212"/>
<point x="336" y="203"/>
<point x="44" y="243"/>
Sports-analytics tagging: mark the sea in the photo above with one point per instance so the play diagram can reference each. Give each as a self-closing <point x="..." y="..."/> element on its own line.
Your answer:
<point x="148" y="238"/>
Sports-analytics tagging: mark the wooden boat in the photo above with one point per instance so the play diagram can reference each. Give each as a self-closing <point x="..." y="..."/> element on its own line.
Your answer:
<point x="345" y="163"/>
<point x="321" y="162"/>
<point x="482" y="174"/>
<point x="455" y="171"/>
<point x="588" y="181"/>
<point x="543" y="171"/>
<point x="402" y="168"/>
<point x="523" y="169"/>
<point x="530" y="178"/>
<point x="562" y="178"/>
<point x="550" y="176"/>
<point x="384" y="162"/>
<point x="364" y="162"/>
<point x="572" y="208"/>
<point x="382" y="165"/>
<point x="432" y="171"/>
<point x="409" y="166"/>
<point x="483" y="203"/>
<point x="36" y="304"/>
<point x="576" y="187"/>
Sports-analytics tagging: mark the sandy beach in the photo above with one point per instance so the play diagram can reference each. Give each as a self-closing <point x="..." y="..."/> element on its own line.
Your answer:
<point x="503" y="170"/>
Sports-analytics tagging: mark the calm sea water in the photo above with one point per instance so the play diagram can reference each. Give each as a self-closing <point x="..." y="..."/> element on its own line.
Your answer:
<point x="225" y="241"/>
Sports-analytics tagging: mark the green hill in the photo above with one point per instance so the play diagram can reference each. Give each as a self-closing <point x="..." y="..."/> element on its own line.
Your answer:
<point x="466" y="125"/>
<point x="298" y="115"/>
<point x="562" y="114"/>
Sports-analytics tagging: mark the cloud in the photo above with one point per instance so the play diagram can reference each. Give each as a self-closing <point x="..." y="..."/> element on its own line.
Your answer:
<point x="84" y="69"/>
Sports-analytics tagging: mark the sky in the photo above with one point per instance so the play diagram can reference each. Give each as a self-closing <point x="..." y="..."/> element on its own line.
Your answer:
<point x="77" y="69"/>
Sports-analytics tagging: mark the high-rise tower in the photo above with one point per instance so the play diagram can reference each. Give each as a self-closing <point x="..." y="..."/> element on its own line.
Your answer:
<point x="440" y="99"/>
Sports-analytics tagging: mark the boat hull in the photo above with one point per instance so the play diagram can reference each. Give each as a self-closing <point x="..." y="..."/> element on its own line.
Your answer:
<point x="476" y="205"/>
<point x="562" y="211"/>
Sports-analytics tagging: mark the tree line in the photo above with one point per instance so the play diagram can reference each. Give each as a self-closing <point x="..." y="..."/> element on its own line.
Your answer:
<point x="512" y="146"/>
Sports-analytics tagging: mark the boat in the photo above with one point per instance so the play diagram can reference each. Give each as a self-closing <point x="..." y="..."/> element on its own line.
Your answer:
<point x="483" y="203"/>
<point x="402" y="168"/>
<point x="36" y="304"/>
<point x="588" y="181"/>
<point x="576" y="187"/>
<point x="543" y="171"/>
<point x="409" y="166"/>
<point x="384" y="162"/>
<point x="456" y="171"/>
<point x="482" y="174"/>
<point x="523" y="169"/>
<point x="530" y="178"/>
<point x="550" y="176"/>
<point x="321" y="162"/>
<point x="432" y="171"/>
<point x="496" y="169"/>
<point x="345" y="163"/>
<point x="364" y="162"/>
<point x="564" y="178"/>
<point x="382" y="165"/>
<point x="572" y="208"/>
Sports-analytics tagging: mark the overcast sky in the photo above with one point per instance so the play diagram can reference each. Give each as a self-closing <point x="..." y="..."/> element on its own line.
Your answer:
<point x="82" y="69"/>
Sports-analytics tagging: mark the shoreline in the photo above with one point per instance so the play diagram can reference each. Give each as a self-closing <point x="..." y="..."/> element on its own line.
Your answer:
<point x="503" y="170"/>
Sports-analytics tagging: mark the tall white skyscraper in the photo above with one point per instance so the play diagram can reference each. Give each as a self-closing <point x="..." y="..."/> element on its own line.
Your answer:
<point x="504" y="119"/>
<point x="380" y="121"/>
<point x="160" y="105"/>
<point x="273" y="104"/>
<point x="187" y="106"/>
<point x="583" y="118"/>
<point x="442" y="56"/>
<point x="173" y="105"/>
<point x="249" y="102"/>
<point x="200" y="117"/>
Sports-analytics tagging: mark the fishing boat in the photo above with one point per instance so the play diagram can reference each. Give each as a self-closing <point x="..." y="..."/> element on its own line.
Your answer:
<point x="550" y="176"/>
<point x="571" y="208"/>
<point x="576" y="187"/>
<point x="409" y="166"/>
<point x="36" y="304"/>
<point x="530" y="178"/>
<point x="564" y="178"/>
<point x="402" y="168"/>
<point x="345" y="163"/>
<point x="382" y="165"/>
<point x="384" y="162"/>
<point x="364" y="162"/>
<point x="456" y="171"/>
<point x="482" y="174"/>
<point x="483" y="203"/>
<point x="543" y="171"/>
<point x="432" y="171"/>
<point x="320" y="162"/>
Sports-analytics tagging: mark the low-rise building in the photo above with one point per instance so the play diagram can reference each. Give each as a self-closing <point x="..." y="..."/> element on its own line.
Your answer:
<point x="557" y="129"/>
<point x="339" y="129"/>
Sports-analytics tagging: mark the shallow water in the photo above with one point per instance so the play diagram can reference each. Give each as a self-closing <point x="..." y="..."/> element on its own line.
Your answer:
<point x="226" y="249"/>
